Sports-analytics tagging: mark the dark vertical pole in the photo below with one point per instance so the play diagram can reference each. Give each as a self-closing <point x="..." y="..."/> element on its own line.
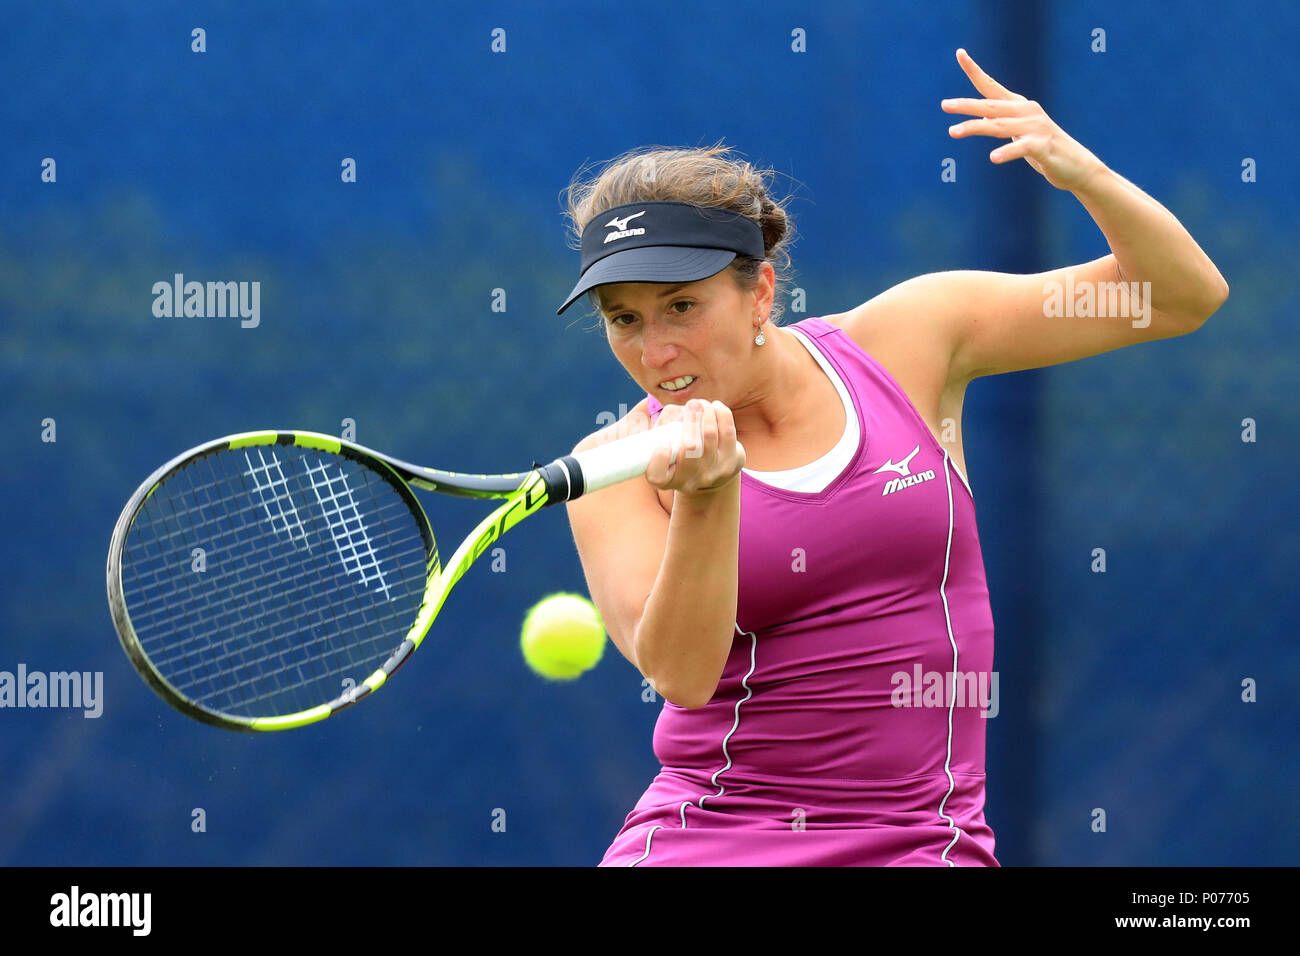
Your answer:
<point x="1005" y="454"/>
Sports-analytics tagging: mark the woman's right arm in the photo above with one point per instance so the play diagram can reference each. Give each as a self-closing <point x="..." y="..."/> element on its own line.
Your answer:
<point x="666" y="587"/>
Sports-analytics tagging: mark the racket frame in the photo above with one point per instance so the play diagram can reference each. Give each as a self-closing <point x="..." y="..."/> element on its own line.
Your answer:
<point x="564" y="479"/>
<point x="525" y="493"/>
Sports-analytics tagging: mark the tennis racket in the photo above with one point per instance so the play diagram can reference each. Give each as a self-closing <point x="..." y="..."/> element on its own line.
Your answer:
<point x="267" y="580"/>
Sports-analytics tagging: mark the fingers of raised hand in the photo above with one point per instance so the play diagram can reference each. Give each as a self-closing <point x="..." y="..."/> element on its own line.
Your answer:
<point x="978" y="107"/>
<point x="1005" y="126"/>
<point x="1025" y="146"/>
<point x="982" y="81"/>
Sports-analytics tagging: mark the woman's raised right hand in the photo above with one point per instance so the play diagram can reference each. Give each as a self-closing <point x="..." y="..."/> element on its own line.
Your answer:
<point x="710" y="458"/>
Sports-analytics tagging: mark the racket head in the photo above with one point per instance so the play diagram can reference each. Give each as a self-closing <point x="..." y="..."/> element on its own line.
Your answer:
<point x="265" y="581"/>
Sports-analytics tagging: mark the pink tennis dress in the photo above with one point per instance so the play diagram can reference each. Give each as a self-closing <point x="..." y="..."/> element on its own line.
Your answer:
<point x="848" y="725"/>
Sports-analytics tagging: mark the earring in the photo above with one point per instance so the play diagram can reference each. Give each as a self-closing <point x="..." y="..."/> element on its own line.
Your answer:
<point x="760" y="338"/>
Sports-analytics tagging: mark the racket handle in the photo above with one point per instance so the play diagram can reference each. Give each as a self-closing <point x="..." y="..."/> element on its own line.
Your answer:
<point x="616" y="461"/>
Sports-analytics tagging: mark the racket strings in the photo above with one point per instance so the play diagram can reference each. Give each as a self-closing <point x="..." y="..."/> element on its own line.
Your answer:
<point x="160" y="596"/>
<point x="288" y="654"/>
<point x="314" y="568"/>
<point x="273" y="489"/>
<point x="346" y="526"/>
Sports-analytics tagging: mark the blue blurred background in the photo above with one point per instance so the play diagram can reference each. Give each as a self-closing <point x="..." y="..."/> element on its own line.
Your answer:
<point x="1120" y="691"/>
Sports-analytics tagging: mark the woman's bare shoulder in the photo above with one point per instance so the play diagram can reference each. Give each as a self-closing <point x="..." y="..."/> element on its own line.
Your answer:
<point x="609" y="433"/>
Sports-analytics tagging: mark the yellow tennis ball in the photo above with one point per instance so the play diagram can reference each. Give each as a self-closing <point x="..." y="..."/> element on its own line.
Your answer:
<point x="563" y="636"/>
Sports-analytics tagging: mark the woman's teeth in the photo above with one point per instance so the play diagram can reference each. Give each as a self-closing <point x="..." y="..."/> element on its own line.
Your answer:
<point x="677" y="383"/>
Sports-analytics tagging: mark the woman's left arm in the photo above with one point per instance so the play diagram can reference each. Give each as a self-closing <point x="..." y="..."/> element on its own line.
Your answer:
<point x="997" y="322"/>
<point x="1148" y="243"/>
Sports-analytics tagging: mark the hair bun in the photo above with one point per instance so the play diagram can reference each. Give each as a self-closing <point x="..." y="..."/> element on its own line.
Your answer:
<point x="775" y="223"/>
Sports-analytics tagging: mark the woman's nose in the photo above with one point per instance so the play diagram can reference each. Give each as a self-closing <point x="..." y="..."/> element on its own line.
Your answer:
<point x="657" y="349"/>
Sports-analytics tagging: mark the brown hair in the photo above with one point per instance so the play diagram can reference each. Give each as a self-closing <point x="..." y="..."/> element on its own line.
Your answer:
<point x="703" y="177"/>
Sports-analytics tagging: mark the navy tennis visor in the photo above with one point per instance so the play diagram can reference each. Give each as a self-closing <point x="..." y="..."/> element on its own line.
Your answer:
<point x="662" y="242"/>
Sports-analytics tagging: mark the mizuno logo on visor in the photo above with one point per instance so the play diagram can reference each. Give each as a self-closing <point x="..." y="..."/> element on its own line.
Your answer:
<point x="621" y="226"/>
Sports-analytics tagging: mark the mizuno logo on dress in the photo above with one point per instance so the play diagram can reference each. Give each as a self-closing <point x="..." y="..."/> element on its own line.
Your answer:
<point x="905" y="477"/>
<point x="621" y="229"/>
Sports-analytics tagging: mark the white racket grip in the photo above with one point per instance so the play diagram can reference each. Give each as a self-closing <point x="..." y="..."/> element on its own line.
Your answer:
<point x="626" y="458"/>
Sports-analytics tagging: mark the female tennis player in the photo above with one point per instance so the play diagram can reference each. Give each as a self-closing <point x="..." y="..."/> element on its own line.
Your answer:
<point x="804" y="585"/>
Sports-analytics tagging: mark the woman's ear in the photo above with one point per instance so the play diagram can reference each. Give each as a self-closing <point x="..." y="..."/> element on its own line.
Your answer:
<point x="766" y="292"/>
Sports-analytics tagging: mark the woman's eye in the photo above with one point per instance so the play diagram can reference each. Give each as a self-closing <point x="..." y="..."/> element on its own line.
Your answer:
<point x="617" y="319"/>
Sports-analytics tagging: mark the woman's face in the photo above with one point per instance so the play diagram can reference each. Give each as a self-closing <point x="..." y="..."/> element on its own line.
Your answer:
<point x="664" y="332"/>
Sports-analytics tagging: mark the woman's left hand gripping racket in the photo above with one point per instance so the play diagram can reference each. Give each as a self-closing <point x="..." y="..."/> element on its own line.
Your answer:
<point x="265" y="581"/>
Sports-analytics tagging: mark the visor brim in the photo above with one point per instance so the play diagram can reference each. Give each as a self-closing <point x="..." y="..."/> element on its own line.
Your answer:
<point x="651" y="264"/>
